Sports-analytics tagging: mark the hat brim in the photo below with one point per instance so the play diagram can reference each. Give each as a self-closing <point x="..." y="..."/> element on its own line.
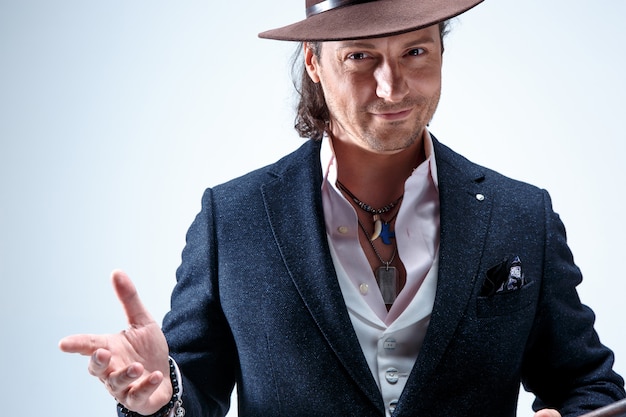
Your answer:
<point x="371" y="19"/>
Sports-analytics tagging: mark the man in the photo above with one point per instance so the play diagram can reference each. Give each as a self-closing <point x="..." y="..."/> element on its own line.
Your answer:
<point x="373" y="271"/>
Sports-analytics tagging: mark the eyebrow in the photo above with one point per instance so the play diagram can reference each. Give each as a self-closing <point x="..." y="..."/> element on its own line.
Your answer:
<point x="363" y="43"/>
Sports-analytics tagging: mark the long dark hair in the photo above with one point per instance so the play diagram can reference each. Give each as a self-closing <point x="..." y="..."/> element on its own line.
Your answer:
<point x="312" y="116"/>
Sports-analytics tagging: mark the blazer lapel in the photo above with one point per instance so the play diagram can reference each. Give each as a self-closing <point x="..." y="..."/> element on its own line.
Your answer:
<point x="464" y="219"/>
<point x="294" y="207"/>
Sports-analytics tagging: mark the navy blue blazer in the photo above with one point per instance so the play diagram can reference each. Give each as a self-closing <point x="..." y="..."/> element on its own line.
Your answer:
<point x="257" y="303"/>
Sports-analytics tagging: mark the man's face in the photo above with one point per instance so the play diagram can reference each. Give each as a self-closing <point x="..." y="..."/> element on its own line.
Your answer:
<point x="381" y="92"/>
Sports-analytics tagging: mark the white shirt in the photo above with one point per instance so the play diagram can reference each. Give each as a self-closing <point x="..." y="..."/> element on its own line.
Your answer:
<point x="390" y="340"/>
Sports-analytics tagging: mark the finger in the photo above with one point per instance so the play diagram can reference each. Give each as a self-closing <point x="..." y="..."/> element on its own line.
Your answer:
<point x="84" y="344"/>
<point x="137" y="396"/>
<point x="118" y="381"/>
<point x="99" y="363"/>
<point x="126" y="292"/>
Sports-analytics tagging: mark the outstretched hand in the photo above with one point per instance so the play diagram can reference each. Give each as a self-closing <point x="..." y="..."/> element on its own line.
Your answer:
<point x="132" y="364"/>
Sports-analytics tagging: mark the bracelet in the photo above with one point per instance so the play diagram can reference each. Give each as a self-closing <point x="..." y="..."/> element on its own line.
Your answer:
<point x="174" y="402"/>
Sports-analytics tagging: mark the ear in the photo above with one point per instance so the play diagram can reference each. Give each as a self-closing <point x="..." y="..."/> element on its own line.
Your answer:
<point x="311" y="63"/>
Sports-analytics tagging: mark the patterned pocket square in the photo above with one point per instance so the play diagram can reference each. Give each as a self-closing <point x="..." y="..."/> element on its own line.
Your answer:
<point x="505" y="277"/>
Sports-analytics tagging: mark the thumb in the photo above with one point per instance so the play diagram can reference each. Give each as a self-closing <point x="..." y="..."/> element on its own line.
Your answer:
<point x="136" y="313"/>
<point x="547" y="412"/>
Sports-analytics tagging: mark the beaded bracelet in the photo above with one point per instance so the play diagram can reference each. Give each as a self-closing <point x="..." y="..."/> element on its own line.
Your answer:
<point x="174" y="402"/>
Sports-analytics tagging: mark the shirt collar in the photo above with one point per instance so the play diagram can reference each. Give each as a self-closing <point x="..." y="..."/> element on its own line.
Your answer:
<point x="329" y="163"/>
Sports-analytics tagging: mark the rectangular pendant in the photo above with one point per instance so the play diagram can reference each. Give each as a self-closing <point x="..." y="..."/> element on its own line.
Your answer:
<point x="387" y="279"/>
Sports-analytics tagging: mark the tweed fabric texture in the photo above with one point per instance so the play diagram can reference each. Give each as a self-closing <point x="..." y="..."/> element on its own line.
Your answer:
<point x="257" y="304"/>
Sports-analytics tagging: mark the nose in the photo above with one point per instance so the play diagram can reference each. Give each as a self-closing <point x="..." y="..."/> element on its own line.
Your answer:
<point x="391" y="84"/>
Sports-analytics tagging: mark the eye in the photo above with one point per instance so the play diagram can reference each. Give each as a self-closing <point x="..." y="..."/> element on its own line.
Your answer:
<point x="357" y="56"/>
<point x="416" y="51"/>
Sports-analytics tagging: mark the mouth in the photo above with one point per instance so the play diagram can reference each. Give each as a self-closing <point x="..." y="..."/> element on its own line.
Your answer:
<point x="393" y="115"/>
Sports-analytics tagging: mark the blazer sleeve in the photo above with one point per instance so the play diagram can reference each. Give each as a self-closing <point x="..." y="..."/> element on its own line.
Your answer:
<point x="566" y="366"/>
<point x="198" y="335"/>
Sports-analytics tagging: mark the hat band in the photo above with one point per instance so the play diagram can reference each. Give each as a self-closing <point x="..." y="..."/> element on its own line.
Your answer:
<point x="326" y="5"/>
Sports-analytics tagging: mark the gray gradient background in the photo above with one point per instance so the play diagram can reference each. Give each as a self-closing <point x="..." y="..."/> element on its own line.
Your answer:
<point x="114" y="116"/>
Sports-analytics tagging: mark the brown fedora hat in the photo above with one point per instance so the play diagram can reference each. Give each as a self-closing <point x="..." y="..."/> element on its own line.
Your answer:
<point x="332" y="20"/>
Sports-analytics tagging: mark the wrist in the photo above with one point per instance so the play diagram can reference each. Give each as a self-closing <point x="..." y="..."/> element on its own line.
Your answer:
<point x="173" y="407"/>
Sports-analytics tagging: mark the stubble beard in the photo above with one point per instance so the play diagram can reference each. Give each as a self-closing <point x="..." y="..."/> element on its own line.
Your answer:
<point x="395" y="141"/>
<point x="396" y="137"/>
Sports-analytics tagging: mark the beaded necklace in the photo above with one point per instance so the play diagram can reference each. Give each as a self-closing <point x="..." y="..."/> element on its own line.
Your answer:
<point x="382" y="228"/>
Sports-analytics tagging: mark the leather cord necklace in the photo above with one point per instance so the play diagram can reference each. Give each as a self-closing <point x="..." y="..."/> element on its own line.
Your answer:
<point x="386" y="275"/>
<point x="382" y="228"/>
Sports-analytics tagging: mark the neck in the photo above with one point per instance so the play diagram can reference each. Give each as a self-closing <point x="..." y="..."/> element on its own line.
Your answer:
<point x="376" y="178"/>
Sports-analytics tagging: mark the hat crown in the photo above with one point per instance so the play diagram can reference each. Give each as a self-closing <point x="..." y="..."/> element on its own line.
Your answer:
<point x="333" y="20"/>
<point x="314" y="7"/>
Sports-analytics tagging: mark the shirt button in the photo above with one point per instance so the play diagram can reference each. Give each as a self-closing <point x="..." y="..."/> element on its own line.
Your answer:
<point x="392" y="405"/>
<point x="364" y="288"/>
<point x="389" y="344"/>
<point x="343" y="229"/>
<point x="391" y="375"/>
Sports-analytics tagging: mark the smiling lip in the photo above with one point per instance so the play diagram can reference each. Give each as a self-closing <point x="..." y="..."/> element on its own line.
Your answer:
<point x="395" y="115"/>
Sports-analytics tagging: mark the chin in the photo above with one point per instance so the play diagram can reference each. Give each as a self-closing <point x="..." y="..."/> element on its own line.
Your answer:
<point x="393" y="142"/>
<point x="385" y="146"/>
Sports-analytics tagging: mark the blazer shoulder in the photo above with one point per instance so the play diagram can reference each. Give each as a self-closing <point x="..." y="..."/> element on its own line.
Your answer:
<point x="302" y="161"/>
<point x="451" y="164"/>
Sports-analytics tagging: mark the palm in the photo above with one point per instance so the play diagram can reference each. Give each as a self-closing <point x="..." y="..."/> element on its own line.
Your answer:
<point x="133" y="364"/>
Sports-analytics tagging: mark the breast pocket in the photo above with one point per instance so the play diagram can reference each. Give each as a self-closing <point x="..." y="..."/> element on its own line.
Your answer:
<point x="504" y="303"/>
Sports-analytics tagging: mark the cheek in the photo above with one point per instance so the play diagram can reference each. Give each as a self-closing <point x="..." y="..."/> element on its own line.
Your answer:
<point x="359" y="89"/>
<point x="425" y="75"/>
<point x="426" y="82"/>
<point x="342" y="92"/>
